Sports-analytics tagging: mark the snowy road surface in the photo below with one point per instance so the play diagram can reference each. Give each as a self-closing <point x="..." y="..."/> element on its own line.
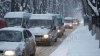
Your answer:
<point x="79" y="43"/>
<point x="47" y="50"/>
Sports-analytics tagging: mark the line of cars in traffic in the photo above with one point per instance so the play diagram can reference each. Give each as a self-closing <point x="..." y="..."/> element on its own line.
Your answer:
<point x="69" y="22"/>
<point x="25" y="30"/>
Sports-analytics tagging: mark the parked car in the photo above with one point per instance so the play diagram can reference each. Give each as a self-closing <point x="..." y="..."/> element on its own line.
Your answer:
<point x="16" y="42"/>
<point x="43" y="26"/>
<point x="61" y="27"/>
<point x="68" y="22"/>
<point x="3" y="23"/>
<point x="17" y="19"/>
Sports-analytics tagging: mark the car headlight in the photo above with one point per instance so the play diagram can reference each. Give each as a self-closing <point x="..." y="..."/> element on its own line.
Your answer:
<point x="58" y="30"/>
<point x="70" y="25"/>
<point x="9" y="53"/>
<point x="76" y="23"/>
<point x="46" y="36"/>
<point x="81" y="22"/>
<point x="64" y="25"/>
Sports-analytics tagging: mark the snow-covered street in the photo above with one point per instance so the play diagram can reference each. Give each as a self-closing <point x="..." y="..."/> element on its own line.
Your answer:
<point x="78" y="43"/>
<point x="50" y="27"/>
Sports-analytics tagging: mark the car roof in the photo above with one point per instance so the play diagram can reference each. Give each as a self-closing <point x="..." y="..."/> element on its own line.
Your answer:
<point x="69" y="18"/>
<point x="14" y="15"/>
<point x="13" y="29"/>
<point x="42" y="16"/>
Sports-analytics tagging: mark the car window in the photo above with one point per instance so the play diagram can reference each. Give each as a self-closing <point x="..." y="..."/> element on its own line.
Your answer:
<point x="25" y="34"/>
<point x="28" y="33"/>
<point x="11" y="36"/>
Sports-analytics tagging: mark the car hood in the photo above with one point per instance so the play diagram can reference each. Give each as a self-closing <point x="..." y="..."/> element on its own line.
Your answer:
<point x="18" y="26"/>
<point x="39" y="31"/>
<point x="67" y="23"/>
<point x="9" y="45"/>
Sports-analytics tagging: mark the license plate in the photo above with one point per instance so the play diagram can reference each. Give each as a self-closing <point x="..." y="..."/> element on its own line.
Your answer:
<point x="38" y="38"/>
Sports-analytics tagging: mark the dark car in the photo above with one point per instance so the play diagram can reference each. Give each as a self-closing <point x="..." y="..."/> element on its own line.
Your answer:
<point x="3" y="23"/>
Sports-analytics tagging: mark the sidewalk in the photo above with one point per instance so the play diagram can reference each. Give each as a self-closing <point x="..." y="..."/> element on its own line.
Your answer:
<point x="78" y="43"/>
<point x="85" y="44"/>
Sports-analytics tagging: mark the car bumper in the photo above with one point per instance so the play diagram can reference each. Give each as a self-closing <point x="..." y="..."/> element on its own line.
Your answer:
<point x="67" y="26"/>
<point x="41" y="39"/>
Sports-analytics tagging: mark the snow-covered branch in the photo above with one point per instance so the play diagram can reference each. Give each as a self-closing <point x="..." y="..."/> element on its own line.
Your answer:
<point x="94" y="8"/>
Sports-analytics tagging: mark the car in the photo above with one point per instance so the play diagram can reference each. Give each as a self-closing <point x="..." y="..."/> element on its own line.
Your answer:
<point x="17" y="19"/>
<point x="75" y="22"/>
<point x="16" y="42"/>
<point x="68" y="22"/>
<point x="44" y="27"/>
<point x="3" y="23"/>
<point x="61" y="27"/>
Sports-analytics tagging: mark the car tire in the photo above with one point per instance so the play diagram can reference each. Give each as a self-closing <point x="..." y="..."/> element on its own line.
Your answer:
<point x="23" y="54"/>
<point x="33" y="54"/>
<point x="34" y="50"/>
<point x="62" y="34"/>
<point x="64" y="30"/>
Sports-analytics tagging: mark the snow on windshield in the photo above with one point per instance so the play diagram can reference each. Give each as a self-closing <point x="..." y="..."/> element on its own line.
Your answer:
<point x="10" y="36"/>
<point x="13" y="21"/>
<point x="39" y="23"/>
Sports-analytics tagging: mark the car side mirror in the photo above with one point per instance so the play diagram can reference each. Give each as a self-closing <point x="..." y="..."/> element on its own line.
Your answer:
<point x="62" y="23"/>
<point x="24" y="25"/>
<point x="54" y="28"/>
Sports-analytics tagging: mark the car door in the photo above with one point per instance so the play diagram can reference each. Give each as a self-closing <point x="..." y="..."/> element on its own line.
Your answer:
<point x="55" y="30"/>
<point x="30" y="39"/>
<point x="27" y="43"/>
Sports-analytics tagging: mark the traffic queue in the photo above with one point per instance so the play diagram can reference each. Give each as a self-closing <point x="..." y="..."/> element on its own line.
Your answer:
<point x="23" y="31"/>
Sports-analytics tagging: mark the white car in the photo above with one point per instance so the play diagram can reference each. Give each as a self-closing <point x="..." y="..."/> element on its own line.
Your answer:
<point x="68" y="22"/>
<point x="16" y="42"/>
<point x="43" y="26"/>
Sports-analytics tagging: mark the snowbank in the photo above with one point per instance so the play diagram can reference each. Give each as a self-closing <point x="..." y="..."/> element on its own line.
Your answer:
<point x="78" y="43"/>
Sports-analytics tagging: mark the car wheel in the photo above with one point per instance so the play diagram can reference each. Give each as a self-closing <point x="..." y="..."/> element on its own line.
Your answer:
<point x="64" y="30"/>
<point x="23" y="54"/>
<point x="34" y="50"/>
<point x="62" y="34"/>
<point x="33" y="54"/>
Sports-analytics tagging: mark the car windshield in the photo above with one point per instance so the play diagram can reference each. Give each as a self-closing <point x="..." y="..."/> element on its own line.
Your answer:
<point x="10" y="36"/>
<point x="68" y="21"/>
<point x="59" y="22"/>
<point x="13" y="21"/>
<point x="74" y="21"/>
<point x="40" y="23"/>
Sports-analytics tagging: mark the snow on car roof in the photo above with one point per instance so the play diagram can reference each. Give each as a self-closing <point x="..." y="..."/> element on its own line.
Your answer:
<point x="13" y="29"/>
<point x="68" y="18"/>
<point x="14" y="15"/>
<point x="42" y="16"/>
